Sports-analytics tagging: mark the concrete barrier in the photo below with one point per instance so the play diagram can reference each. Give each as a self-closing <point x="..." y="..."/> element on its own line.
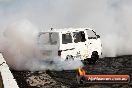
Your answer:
<point x="7" y="77"/>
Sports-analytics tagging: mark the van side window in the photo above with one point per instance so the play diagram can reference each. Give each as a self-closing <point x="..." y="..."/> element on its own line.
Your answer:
<point x="48" y="39"/>
<point x="53" y="38"/>
<point x="43" y="39"/>
<point x="79" y="36"/>
<point x="66" y="38"/>
<point x="91" y="34"/>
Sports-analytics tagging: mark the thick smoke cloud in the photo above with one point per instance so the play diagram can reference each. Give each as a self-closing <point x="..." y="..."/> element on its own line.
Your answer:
<point x="22" y="19"/>
<point x="119" y="36"/>
<point x="22" y="51"/>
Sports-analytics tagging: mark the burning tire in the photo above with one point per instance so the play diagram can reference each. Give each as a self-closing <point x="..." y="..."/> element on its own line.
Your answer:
<point x="81" y="76"/>
<point x="81" y="80"/>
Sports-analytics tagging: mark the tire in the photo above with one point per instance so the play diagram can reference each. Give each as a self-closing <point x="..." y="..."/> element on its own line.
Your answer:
<point x="69" y="57"/>
<point x="94" y="57"/>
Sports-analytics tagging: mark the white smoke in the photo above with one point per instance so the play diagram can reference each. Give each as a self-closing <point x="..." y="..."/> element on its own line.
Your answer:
<point x="118" y="40"/>
<point x="22" y="51"/>
<point x="110" y="18"/>
<point x="20" y="44"/>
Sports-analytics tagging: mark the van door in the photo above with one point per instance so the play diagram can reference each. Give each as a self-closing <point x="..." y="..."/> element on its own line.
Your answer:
<point x="80" y="44"/>
<point x="48" y="44"/>
<point x="66" y="42"/>
<point x="66" y="45"/>
<point x="92" y="41"/>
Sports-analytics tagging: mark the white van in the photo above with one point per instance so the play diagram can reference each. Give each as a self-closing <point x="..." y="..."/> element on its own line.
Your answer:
<point x="79" y="43"/>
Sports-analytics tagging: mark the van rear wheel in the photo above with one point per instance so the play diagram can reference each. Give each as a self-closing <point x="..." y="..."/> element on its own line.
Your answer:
<point x="69" y="57"/>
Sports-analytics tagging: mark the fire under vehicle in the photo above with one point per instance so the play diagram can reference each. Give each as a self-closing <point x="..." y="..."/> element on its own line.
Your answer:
<point x="77" y="44"/>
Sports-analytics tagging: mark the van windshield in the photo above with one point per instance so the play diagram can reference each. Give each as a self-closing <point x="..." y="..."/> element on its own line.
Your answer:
<point x="48" y="38"/>
<point x="91" y="34"/>
<point x="66" y="38"/>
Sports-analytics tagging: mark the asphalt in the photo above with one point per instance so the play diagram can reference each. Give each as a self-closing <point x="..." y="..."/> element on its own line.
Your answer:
<point x="67" y="78"/>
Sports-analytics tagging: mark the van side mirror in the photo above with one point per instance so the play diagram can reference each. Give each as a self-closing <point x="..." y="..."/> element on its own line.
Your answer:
<point x="98" y="36"/>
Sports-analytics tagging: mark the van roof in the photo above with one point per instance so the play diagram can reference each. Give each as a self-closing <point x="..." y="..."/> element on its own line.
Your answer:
<point x="68" y="30"/>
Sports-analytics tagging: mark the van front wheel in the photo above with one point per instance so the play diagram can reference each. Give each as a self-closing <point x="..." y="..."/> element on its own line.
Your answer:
<point x="94" y="57"/>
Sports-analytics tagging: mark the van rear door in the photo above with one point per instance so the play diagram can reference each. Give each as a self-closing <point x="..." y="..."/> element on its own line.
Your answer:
<point x="48" y="43"/>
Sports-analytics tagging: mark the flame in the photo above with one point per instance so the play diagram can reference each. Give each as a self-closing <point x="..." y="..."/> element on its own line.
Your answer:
<point x="81" y="71"/>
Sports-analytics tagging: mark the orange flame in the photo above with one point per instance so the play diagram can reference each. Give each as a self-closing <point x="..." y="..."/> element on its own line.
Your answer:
<point x="81" y="71"/>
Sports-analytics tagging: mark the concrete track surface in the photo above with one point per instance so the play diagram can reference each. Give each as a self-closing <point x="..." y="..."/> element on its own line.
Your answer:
<point x="67" y="79"/>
